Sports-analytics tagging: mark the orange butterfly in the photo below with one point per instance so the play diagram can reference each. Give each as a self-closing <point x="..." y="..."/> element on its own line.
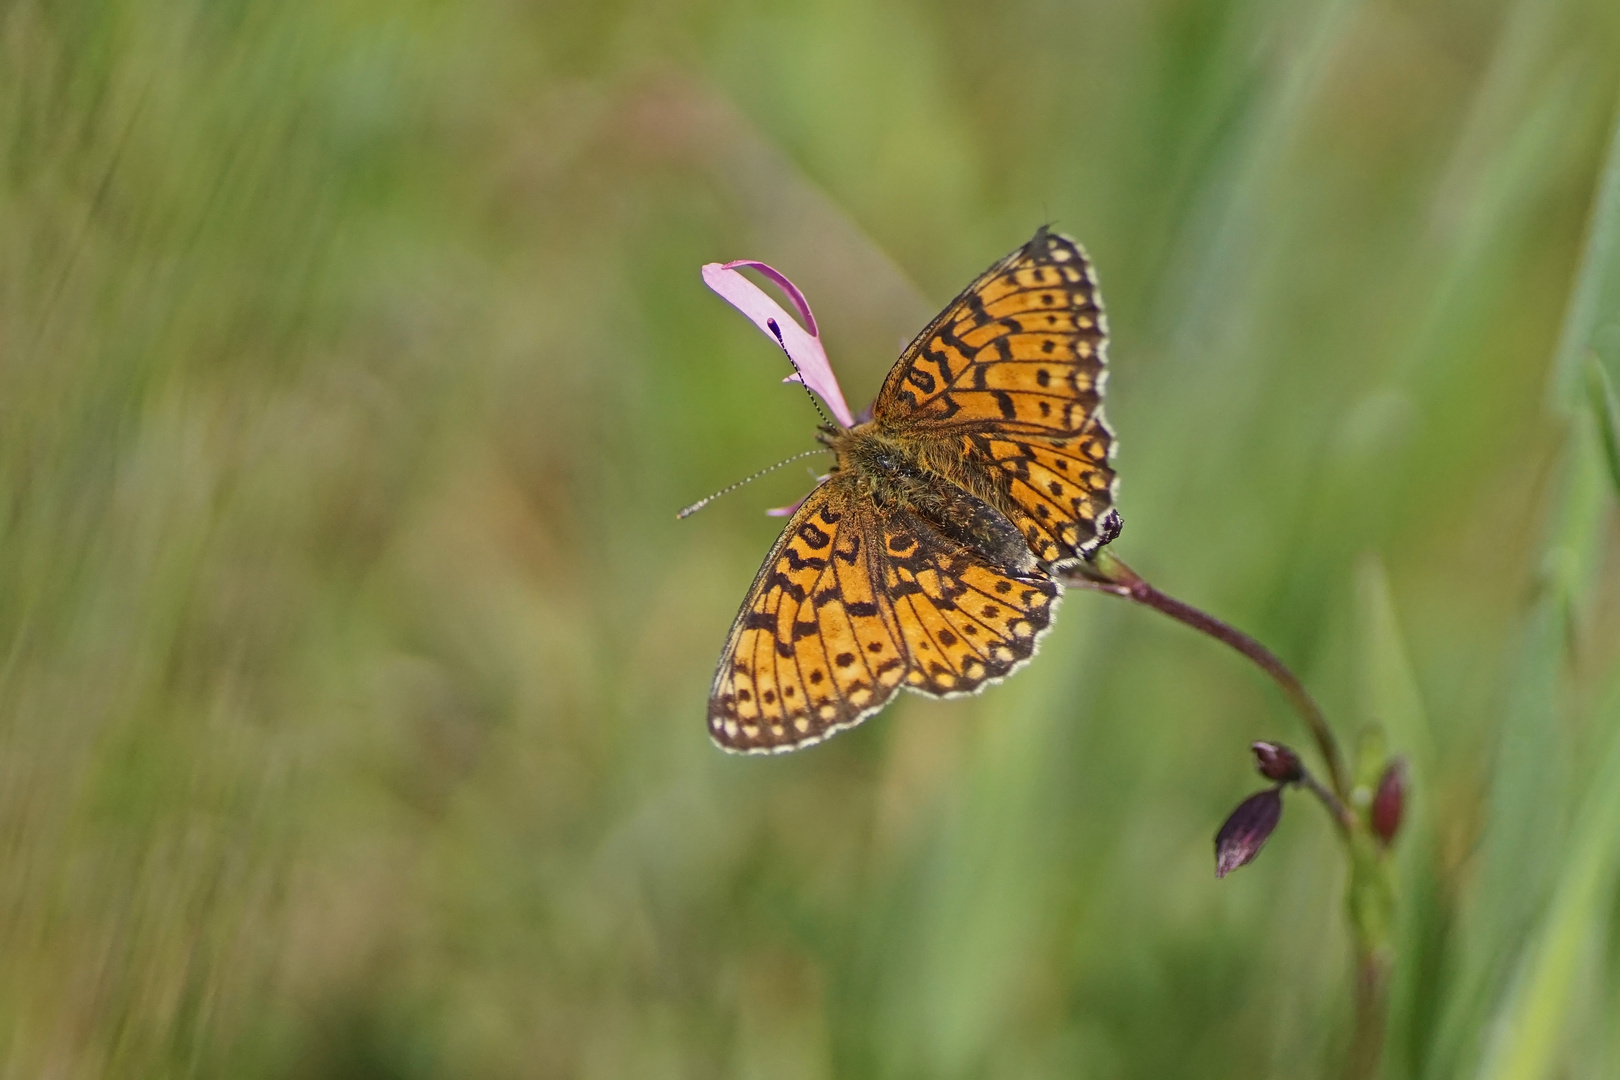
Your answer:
<point x="926" y="558"/>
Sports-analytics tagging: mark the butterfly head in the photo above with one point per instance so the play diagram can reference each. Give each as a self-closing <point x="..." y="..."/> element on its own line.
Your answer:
<point x="829" y="434"/>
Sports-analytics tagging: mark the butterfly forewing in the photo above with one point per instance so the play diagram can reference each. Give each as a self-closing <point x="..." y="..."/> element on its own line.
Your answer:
<point x="1021" y="348"/>
<point x="815" y="648"/>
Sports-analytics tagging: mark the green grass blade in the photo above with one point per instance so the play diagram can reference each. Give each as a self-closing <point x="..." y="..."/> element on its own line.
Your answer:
<point x="1531" y="1026"/>
<point x="1600" y="395"/>
<point x="1532" y="1019"/>
<point x="1595" y="300"/>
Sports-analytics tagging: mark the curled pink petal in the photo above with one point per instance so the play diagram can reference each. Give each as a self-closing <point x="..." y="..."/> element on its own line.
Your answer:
<point x="803" y="347"/>
<point x="781" y="281"/>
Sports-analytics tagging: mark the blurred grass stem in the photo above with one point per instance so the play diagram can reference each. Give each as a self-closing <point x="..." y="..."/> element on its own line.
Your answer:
<point x="1373" y="968"/>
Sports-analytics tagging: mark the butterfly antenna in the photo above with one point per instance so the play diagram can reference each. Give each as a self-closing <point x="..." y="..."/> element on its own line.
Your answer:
<point x="701" y="503"/>
<point x="776" y="332"/>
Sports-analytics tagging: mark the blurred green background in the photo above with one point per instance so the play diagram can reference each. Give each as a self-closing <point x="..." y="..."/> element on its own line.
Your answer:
<point x="354" y="361"/>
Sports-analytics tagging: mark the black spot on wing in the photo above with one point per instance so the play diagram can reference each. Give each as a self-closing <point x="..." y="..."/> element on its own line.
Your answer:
<point x="816" y="538"/>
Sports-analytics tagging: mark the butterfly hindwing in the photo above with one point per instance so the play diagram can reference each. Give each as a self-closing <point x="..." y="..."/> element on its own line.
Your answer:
<point x="966" y="617"/>
<point x="1059" y="492"/>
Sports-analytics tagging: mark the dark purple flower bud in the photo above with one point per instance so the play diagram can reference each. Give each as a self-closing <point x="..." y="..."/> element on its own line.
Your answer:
<point x="1276" y="762"/>
<point x="1389" y="802"/>
<point x="1245" y="832"/>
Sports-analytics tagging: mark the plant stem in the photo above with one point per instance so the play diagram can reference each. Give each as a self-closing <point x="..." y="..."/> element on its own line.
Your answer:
<point x="1370" y="890"/>
<point x="1340" y="813"/>
<point x="1366" y="1052"/>
<point x="1107" y="574"/>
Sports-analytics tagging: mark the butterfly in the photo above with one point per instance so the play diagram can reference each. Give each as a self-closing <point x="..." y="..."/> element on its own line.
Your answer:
<point x="927" y="558"/>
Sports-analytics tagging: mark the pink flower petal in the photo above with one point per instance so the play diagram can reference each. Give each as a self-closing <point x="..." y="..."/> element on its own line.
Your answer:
<point x="802" y="346"/>
<point x="781" y="281"/>
<point x="789" y="511"/>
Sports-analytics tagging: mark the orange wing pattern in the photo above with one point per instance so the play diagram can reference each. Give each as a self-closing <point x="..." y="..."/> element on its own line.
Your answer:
<point x="1007" y="385"/>
<point x="1058" y="492"/>
<point x="814" y="648"/>
<point x="855" y="601"/>
<point x="965" y="621"/>
<point x="1022" y="348"/>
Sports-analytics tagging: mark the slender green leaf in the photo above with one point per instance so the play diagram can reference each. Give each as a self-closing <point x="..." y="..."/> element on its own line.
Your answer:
<point x="1593" y="317"/>
<point x="1530" y="1029"/>
<point x="1600" y="395"/>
